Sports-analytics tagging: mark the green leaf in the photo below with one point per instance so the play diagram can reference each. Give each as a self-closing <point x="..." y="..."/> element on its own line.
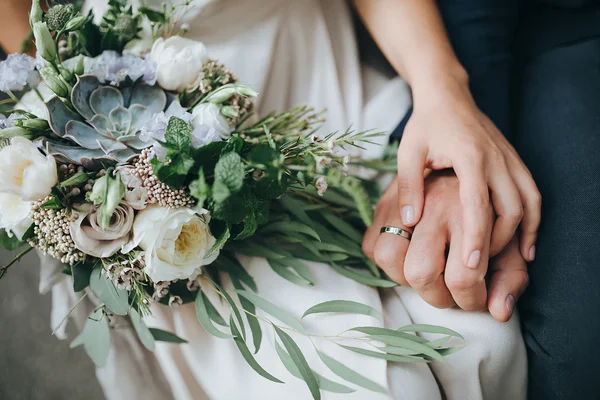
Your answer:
<point x="450" y="350"/>
<point x="349" y="374"/>
<point x="435" y="344"/>
<point x="250" y="315"/>
<point x="53" y="203"/>
<point x="76" y="180"/>
<point x="345" y="306"/>
<point x="178" y="135"/>
<point x="384" y="356"/>
<point x="288" y="273"/>
<point x="204" y="317"/>
<point x="324" y="383"/>
<point x="269" y="189"/>
<point x="424" y="328"/>
<point x="410" y="345"/>
<point x="231" y="265"/>
<point x="10" y="243"/>
<point x="164" y="336"/>
<point x="234" y="307"/>
<point x="153" y="16"/>
<point x="212" y="311"/>
<point x="343" y="227"/>
<point x="232" y="210"/>
<point x="142" y="330"/>
<point x="258" y="250"/>
<point x="117" y="300"/>
<point x="273" y="310"/>
<point x="174" y="171"/>
<point x="399" y="351"/>
<point x="290" y="226"/>
<point x="95" y="337"/>
<point x="230" y="173"/>
<point x="81" y="276"/>
<point x="200" y="189"/>
<point x="250" y="226"/>
<point x="362" y="278"/>
<point x="373" y="330"/>
<point x="221" y="240"/>
<point x="300" y="362"/>
<point x="241" y="344"/>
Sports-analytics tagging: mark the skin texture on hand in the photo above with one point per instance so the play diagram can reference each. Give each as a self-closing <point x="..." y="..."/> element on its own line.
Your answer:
<point x="431" y="262"/>
<point x="14" y="20"/>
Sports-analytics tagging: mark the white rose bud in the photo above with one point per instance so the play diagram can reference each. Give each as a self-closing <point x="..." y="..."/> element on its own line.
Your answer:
<point x="209" y="114"/>
<point x="15" y="215"/>
<point x="179" y="62"/>
<point x="321" y="185"/>
<point x="44" y="42"/>
<point x="26" y="172"/>
<point x="176" y="241"/>
<point x="36" y="13"/>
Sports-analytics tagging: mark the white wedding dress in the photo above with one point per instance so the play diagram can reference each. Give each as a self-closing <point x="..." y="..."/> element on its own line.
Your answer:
<point x="303" y="52"/>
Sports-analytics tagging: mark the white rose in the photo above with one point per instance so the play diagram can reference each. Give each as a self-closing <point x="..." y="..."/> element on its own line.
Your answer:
<point x="15" y="215"/>
<point x="179" y="62"/>
<point x="26" y="172"/>
<point x="91" y="239"/>
<point x="136" y="195"/>
<point x="176" y="241"/>
<point x="210" y="115"/>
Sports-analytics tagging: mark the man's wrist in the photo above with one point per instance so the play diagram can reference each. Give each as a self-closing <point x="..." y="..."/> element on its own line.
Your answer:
<point x="440" y="85"/>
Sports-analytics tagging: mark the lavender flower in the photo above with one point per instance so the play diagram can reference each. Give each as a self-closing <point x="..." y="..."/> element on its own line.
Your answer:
<point x="18" y="71"/>
<point x="113" y="68"/>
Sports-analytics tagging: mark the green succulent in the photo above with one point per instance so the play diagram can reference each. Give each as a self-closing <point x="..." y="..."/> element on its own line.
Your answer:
<point x="104" y="126"/>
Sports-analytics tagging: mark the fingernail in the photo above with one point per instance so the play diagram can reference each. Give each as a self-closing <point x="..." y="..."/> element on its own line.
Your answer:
<point x="408" y="215"/>
<point x="532" y="253"/>
<point x="474" y="259"/>
<point x="510" y="303"/>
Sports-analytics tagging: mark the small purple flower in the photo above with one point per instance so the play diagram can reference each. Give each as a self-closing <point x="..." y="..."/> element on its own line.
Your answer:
<point x="18" y="71"/>
<point x="113" y="68"/>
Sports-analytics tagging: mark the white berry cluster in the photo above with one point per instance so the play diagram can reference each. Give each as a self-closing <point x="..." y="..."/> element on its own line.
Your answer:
<point x="51" y="234"/>
<point x="158" y="192"/>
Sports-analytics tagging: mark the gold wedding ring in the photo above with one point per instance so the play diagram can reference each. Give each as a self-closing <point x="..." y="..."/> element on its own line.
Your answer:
<point x="396" y="231"/>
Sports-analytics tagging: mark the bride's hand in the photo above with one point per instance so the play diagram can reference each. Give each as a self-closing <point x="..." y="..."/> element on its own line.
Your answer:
<point x="440" y="277"/>
<point x="447" y="130"/>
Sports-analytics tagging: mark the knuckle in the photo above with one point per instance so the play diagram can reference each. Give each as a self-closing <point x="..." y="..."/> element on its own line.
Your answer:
<point x="419" y="277"/>
<point x="473" y="153"/>
<point x="367" y="248"/>
<point x="515" y="213"/>
<point x="460" y="283"/>
<point x="385" y="259"/>
<point x="521" y="278"/>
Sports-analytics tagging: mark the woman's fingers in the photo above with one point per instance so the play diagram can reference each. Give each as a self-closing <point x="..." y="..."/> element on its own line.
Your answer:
<point x="476" y="210"/>
<point x="388" y="200"/>
<point x="508" y="207"/>
<point x="508" y="280"/>
<point x="411" y="167"/>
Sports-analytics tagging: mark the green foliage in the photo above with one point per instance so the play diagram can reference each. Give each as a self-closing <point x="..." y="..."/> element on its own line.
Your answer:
<point x="115" y="299"/>
<point x="204" y="318"/>
<point x="230" y="174"/>
<point x="200" y="189"/>
<point x="178" y="162"/>
<point x="9" y="242"/>
<point x="95" y="337"/>
<point x="144" y="334"/>
<point x="119" y="26"/>
<point x="343" y="306"/>
<point x="81" y="273"/>
<point x="164" y="336"/>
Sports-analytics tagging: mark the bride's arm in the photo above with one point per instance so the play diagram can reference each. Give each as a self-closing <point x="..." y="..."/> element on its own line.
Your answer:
<point x="14" y="23"/>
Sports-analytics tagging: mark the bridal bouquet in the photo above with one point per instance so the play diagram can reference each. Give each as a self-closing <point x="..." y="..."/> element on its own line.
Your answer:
<point x="146" y="172"/>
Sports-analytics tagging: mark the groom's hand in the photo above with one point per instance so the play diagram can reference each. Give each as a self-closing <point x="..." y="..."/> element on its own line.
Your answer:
<point x="435" y="269"/>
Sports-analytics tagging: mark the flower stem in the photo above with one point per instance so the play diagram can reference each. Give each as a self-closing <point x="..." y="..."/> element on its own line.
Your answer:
<point x="14" y="261"/>
<point x="12" y="96"/>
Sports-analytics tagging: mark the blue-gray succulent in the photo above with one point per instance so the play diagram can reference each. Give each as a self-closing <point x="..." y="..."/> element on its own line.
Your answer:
<point x="104" y="126"/>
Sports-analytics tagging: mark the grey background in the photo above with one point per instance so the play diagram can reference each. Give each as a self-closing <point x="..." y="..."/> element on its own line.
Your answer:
<point x="33" y="363"/>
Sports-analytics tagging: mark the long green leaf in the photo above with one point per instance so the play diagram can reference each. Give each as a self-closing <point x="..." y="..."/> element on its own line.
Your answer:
<point x="289" y="274"/>
<point x="362" y="278"/>
<point x="164" y="336"/>
<point x="241" y="344"/>
<point x="450" y="350"/>
<point x="343" y="227"/>
<point x="343" y="306"/>
<point x="250" y="316"/>
<point x="324" y="383"/>
<point x="349" y="374"/>
<point x="435" y="344"/>
<point x="399" y="351"/>
<point x="204" y="318"/>
<point x="291" y="226"/>
<point x="117" y="300"/>
<point x="384" y="356"/>
<point x="300" y="362"/>
<point x="212" y="311"/>
<point x="233" y="267"/>
<point x="95" y="337"/>
<point x="234" y="307"/>
<point x="273" y="310"/>
<point x="373" y="330"/>
<point x="424" y="328"/>
<point x="142" y="330"/>
<point x="410" y="345"/>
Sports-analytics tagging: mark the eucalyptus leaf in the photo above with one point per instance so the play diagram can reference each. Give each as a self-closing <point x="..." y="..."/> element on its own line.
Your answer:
<point x="450" y="350"/>
<point x="373" y="330"/>
<point x="343" y="227"/>
<point x="362" y="278"/>
<point x="233" y="267"/>
<point x="385" y="356"/>
<point x="424" y="328"/>
<point x="343" y="306"/>
<point x="95" y="337"/>
<point x="324" y="383"/>
<point x="212" y="311"/>
<point x="349" y="374"/>
<point x="435" y="344"/>
<point x="300" y="362"/>
<point x="241" y="344"/>
<point x="289" y="274"/>
<point x="117" y="300"/>
<point x="410" y="345"/>
<point x="164" y="336"/>
<point x="250" y="309"/>
<point x="291" y="226"/>
<point x="234" y="308"/>
<point x="142" y="330"/>
<point x="81" y="276"/>
<point x="273" y="310"/>
<point x="204" y="318"/>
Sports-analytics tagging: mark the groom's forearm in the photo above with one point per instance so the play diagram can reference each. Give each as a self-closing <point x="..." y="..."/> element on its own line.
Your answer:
<point x="15" y="24"/>
<point x="412" y="36"/>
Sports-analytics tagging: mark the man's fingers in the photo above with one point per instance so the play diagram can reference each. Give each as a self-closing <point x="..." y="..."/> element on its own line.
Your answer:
<point x="532" y="212"/>
<point x="411" y="166"/>
<point x="426" y="260"/>
<point x="476" y="210"/>
<point x="466" y="285"/>
<point x="508" y="207"/>
<point x="390" y="249"/>
<point x="508" y="280"/>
